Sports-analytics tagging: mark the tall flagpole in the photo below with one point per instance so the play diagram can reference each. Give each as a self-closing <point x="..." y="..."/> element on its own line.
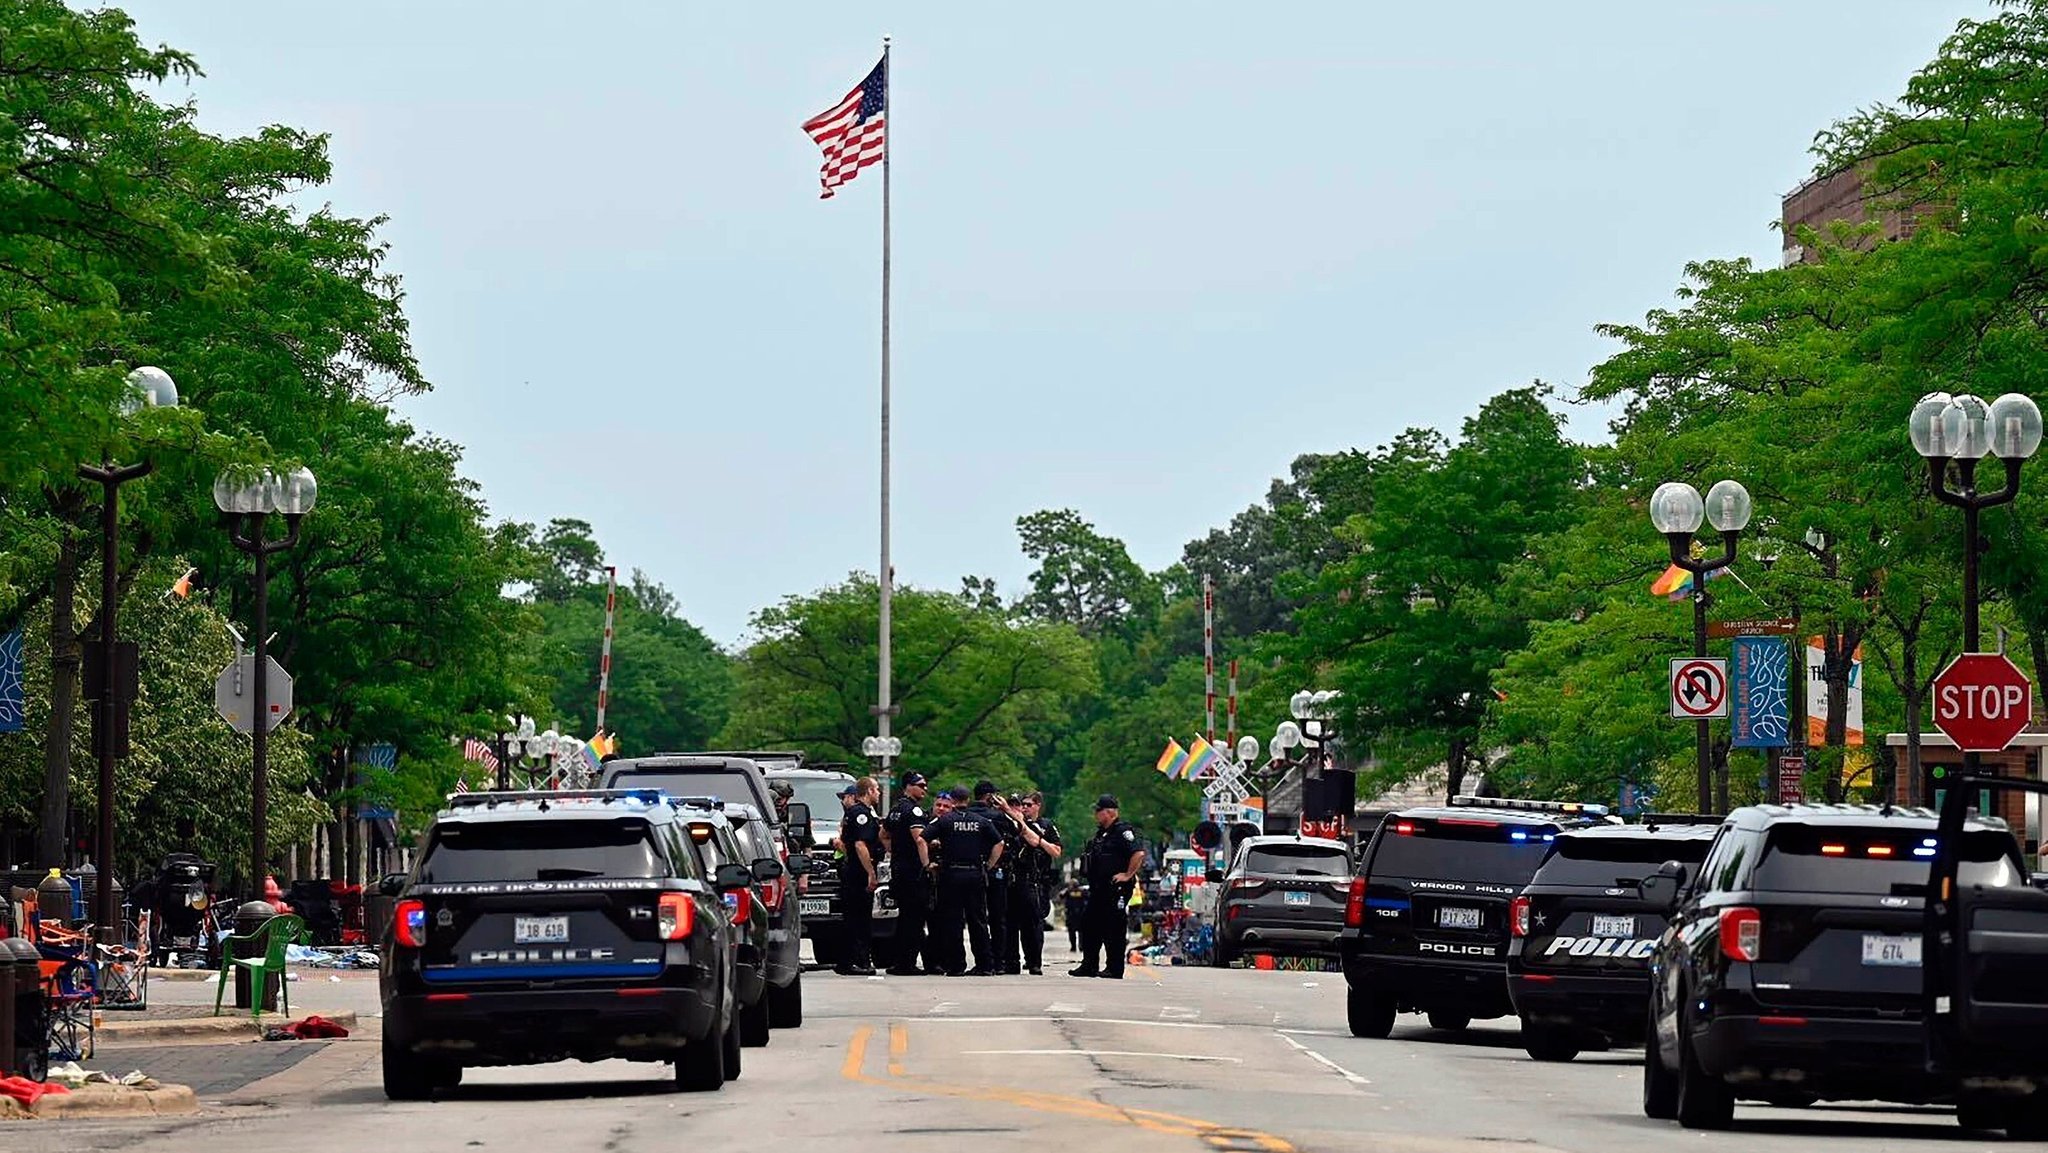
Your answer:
<point x="884" y="711"/>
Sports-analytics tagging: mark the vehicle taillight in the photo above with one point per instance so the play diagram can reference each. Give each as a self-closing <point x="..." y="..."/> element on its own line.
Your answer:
<point x="741" y="903"/>
<point x="1518" y="916"/>
<point x="1354" y="903"/>
<point x="676" y="917"/>
<point x="409" y="924"/>
<point x="771" y="895"/>
<point x="1742" y="934"/>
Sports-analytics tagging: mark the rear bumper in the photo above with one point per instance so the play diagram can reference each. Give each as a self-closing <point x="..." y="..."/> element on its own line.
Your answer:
<point x="1476" y="989"/>
<point x="1614" y="1007"/>
<point x="1251" y="931"/>
<point x="530" y="1026"/>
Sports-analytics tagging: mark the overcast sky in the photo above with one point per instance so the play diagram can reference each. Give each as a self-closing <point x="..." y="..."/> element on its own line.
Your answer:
<point x="1145" y="253"/>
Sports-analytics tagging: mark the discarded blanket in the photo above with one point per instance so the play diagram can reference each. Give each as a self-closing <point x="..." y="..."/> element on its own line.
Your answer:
<point x="310" y="1028"/>
<point x="26" y="1091"/>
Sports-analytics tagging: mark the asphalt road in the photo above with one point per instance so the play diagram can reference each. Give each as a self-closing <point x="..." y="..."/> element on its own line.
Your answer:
<point x="1169" y="1059"/>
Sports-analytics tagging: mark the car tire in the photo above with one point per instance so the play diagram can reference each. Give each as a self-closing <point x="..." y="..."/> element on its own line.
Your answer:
<point x="1448" y="1020"/>
<point x="786" y="1004"/>
<point x="701" y="1068"/>
<point x="449" y="1076"/>
<point x="754" y="1023"/>
<point x="2027" y="1118"/>
<point x="1368" y="1013"/>
<point x="1548" y="1042"/>
<point x="1225" y="956"/>
<point x="1983" y="1114"/>
<point x="825" y="948"/>
<point x="407" y="1077"/>
<point x="732" y="1046"/>
<point x="1704" y="1100"/>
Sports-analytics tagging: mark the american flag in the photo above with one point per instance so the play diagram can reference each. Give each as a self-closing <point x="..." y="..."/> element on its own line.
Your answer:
<point x="852" y="133"/>
<point x="478" y="751"/>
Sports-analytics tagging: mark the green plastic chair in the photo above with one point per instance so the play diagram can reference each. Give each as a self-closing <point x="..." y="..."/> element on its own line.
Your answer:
<point x="275" y="934"/>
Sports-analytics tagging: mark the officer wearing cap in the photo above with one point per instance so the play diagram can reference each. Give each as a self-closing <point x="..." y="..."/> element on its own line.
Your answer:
<point x="1031" y="881"/>
<point x="860" y="832"/>
<point x="1110" y="862"/>
<point x="909" y="858"/>
<point x="969" y="846"/>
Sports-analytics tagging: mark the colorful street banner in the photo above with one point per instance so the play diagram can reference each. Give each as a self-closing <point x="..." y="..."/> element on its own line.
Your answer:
<point x="1760" y="678"/>
<point x="1817" y="695"/>
<point x="379" y="758"/>
<point x="1173" y="760"/>
<point x="13" y="693"/>
<point x="1201" y="758"/>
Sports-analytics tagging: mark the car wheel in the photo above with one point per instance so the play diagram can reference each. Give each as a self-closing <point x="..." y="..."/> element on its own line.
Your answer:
<point x="450" y="1076"/>
<point x="1983" y="1113"/>
<point x="1225" y="956"/>
<point x="1704" y="1100"/>
<point x="754" y="1023"/>
<point x="1369" y="1014"/>
<point x="701" y="1068"/>
<point x="1660" y="1085"/>
<point x="1448" y="1021"/>
<point x="786" y="1004"/>
<point x="730" y="1043"/>
<point x="825" y="948"/>
<point x="2027" y="1118"/>
<point x="1548" y="1043"/>
<point x="406" y="1077"/>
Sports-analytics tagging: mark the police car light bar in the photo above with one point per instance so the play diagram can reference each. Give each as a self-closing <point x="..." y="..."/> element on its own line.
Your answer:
<point x="1683" y="818"/>
<point x="1530" y="806"/>
<point x="553" y="796"/>
<point x="713" y="803"/>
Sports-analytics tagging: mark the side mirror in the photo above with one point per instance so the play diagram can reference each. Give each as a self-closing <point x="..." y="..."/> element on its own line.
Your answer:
<point x="767" y="869"/>
<point x="1215" y="876"/>
<point x="391" y="884"/>
<point x="730" y="878"/>
<point x="801" y="864"/>
<point x="798" y="821"/>
<point x="1660" y="889"/>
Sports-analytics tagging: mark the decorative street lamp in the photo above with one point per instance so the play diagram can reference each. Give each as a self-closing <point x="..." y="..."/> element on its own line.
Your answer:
<point x="146" y="387"/>
<point x="247" y="500"/>
<point x="1313" y="711"/>
<point x="1963" y="430"/>
<point x="1677" y="510"/>
<point x="530" y="750"/>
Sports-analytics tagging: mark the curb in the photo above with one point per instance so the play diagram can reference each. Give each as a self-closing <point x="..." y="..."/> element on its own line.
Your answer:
<point x="227" y="1028"/>
<point x="96" y="1101"/>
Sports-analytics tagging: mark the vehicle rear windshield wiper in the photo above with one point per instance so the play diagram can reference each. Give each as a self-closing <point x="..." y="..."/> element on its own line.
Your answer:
<point x="566" y="874"/>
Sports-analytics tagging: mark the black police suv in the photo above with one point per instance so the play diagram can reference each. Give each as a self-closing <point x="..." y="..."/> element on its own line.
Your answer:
<point x="1284" y="896"/>
<point x="1426" y="918"/>
<point x="538" y="927"/>
<point x="770" y="959"/>
<point x="1581" y="934"/>
<point x="1791" y="970"/>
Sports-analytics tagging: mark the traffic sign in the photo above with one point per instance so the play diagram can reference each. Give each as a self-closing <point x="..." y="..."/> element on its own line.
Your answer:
<point x="1699" y="688"/>
<point x="1775" y="627"/>
<point x="234" y="693"/>
<point x="1792" y="779"/>
<point x="1982" y="701"/>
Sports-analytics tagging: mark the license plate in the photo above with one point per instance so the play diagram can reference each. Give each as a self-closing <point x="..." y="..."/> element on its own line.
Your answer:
<point x="1613" y="926"/>
<point x="1451" y="917"/>
<point x="814" y="906"/>
<point x="1879" y="949"/>
<point x="1297" y="898"/>
<point x="540" y="930"/>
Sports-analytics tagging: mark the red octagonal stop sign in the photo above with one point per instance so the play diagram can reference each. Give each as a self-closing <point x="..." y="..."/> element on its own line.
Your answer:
<point x="1982" y="701"/>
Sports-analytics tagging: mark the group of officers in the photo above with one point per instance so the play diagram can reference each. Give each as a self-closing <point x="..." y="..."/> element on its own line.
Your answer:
<point x="979" y="862"/>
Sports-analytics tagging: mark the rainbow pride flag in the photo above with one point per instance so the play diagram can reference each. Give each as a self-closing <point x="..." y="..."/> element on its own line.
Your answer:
<point x="1676" y="583"/>
<point x="1173" y="760"/>
<point x="1201" y="757"/>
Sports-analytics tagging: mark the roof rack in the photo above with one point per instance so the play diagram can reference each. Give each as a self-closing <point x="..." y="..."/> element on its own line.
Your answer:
<point x="486" y="800"/>
<point x="1531" y="806"/>
<point x="1683" y="818"/>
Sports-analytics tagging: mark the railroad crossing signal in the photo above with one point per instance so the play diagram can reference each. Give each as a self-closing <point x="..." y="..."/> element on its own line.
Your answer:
<point x="1982" y="701"/>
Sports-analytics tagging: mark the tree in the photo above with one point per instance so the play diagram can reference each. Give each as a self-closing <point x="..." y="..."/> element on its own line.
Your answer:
<point x="1084" y="579"/>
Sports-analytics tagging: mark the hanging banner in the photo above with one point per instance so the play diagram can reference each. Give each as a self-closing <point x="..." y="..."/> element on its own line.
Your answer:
<point x="380" y="759"/>
<point x="13" y="696"/>
<point x="1759" y="673"/>
<point x="1817" y="695"/>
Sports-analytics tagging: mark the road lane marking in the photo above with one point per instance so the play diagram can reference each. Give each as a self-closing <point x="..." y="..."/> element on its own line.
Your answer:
<point x="1221" y="1137"/>
<point x="1318" y="1058"/>
<point x="1062" y="1009"/>
<point x="1178" y="1013"/>
<point x="1083" y="1020"/>
<point x="899" y="1044"/>
<point x="943" y="1007"/>
<point x="1096" y="1053"/>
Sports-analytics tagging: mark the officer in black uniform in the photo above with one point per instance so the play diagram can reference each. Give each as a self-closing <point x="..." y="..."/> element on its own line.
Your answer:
<point x="969" y="846"/>
<point x="1031" y="881"/>
<point x="909" y="882"/>
<point x="1111" y="864"/>
<point x="988" y="802"/>
<point x="860" y="834"/>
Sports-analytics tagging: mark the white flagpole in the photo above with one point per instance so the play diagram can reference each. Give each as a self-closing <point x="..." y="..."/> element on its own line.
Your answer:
<point x="885" y="710"/>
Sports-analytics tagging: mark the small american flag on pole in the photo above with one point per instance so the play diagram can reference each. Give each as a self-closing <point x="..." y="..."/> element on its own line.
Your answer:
<point x="478" y="751"/>
<point x="854" y="132"/>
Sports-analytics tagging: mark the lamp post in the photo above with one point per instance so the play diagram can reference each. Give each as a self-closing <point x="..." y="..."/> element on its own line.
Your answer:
<point x="1676" y="510"/>
<point x="530" y="749"/>
<point x="1963" y="430"/>
<point x="147" y="388"/>
<point x="1312" y="710"/>
<point x="248" y="503"/>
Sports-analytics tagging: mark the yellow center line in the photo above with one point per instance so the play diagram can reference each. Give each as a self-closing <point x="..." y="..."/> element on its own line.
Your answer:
<point x="1216" y="1136"/>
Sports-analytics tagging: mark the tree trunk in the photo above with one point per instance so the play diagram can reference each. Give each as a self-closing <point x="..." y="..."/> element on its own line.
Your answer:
<point x="1455" y="764"/>
<point x="51" y="848"/>
<point x="1721" y="775"/>
<point x="1909" y="664"/>
<point x="1839" y="648"/>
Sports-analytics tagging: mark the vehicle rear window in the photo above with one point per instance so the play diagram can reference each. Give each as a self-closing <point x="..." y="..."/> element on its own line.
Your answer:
<point x="1818" y="859"/>
<point x="692" y="781"/>
<point x="1616" y="860"/>
<point x="540" y="851"/>
<point x="1462" y="850"/>
<point x="1298" y="860"/>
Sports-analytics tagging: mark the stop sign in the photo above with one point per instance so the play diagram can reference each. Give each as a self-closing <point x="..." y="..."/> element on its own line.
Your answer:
<point x="1982" y="701"/>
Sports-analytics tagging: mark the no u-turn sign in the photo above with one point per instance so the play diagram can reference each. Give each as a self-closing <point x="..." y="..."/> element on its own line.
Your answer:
<point x="1699" y="688"/>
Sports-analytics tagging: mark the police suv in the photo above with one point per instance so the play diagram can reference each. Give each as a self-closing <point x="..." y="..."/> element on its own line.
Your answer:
<point x="1426" y="919"/>
<point x="538" y="927"/>
<point x="1581" y="936"/>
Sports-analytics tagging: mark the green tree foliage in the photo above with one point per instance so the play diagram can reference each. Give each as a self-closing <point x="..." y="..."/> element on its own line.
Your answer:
<point x="1084" y="579"/>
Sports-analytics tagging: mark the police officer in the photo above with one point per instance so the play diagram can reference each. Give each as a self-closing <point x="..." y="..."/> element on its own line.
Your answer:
<point x="1111" y="863"/>
<point x="987" y="801"/>
<point x="860" y="833"/>
<point x="909" y="882"/>
<point x="969" y="846"/>
<point x="1031" y="880"/>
